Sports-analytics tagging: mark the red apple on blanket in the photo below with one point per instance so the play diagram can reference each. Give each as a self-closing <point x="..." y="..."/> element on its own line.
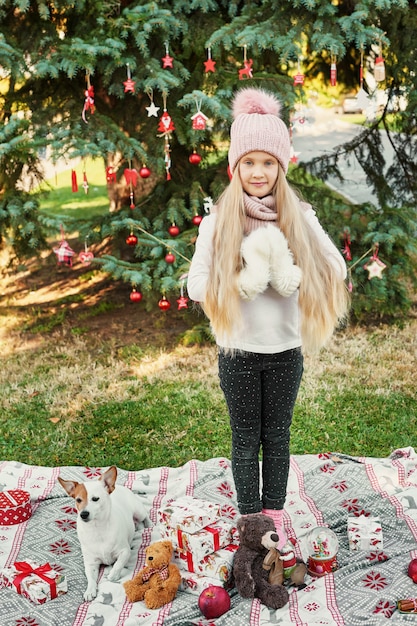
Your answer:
<point x="412" y="570"/>
<point x="214" y="601"/>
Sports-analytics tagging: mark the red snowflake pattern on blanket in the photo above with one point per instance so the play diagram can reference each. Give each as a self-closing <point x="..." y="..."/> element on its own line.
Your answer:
<point x="375" y="580"/>
<point x="60" y="547"/>
<point x="385" y="607"/>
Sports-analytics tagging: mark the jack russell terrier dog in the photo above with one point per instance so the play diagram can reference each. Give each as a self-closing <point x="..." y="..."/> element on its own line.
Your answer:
<point x="107" y="514"/>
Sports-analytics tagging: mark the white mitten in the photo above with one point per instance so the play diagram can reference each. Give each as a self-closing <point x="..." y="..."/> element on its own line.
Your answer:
<point x="253" y="279"/>
<point x="285" y="277"/>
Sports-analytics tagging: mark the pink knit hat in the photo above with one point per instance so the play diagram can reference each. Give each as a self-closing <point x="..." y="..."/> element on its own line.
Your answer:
<point x="257" y="126"/>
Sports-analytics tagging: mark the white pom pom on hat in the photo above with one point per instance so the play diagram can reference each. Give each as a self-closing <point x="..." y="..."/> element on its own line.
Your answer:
<point x="257" y="126"/>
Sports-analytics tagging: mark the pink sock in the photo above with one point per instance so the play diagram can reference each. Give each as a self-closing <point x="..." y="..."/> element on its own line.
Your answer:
<point x="277" y="516"/>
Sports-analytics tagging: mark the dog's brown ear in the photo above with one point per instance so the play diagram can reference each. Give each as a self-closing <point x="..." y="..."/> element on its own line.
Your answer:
<point x="109" y="478"/>
<point x="68" y="485"/>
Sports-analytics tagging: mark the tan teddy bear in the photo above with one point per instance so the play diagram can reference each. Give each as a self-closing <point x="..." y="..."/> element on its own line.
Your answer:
<point x="158" y="581"/>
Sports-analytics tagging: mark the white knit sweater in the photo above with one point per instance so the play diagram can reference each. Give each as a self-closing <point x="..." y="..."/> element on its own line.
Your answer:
<point x="271" y="323"/>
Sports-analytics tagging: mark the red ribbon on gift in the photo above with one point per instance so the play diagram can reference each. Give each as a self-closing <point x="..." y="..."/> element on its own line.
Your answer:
<point x="216" y="536"/>
<point x="40" y="571"/>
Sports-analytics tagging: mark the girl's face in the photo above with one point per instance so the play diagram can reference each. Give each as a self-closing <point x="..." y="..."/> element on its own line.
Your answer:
<point x="258" y="173"/>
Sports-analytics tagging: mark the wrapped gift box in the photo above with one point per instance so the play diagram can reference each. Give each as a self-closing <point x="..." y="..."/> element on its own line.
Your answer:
<point x="218" y="565"/>
<point x="14" y="507"/>
<point x="203" y="542"/>
<point x="195" y="583"/>
<point x="364" y="533"/>
<point x="188" y="513"/>
<point x="38" y="583"/>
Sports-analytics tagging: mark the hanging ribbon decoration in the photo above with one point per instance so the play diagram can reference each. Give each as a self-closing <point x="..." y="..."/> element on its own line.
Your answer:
<point x="361" y="70"/>
<point x="89" y="99"/>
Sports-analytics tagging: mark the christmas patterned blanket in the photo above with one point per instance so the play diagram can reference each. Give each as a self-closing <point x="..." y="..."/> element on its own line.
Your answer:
<point x="324" y="490"/>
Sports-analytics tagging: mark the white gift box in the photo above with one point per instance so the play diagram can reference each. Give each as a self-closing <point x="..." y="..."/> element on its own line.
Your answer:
<point x="203" y="542"/>
<point x="37" y="583"/>
<point x="189" y="514"/>
<point x="364" y="533"/>
<point x="195" y="583"/>
<point x="217" y="565"/>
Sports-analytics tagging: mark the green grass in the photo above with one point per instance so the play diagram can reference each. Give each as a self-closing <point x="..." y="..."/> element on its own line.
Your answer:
<point x="73" y="403"/>
<point x="59" y="198"/>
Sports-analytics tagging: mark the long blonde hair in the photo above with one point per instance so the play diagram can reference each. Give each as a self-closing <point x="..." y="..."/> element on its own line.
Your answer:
<point x="323" y="296"/>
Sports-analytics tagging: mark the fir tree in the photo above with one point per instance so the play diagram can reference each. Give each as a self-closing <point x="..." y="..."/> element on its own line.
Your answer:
<point x="50" y="54"/>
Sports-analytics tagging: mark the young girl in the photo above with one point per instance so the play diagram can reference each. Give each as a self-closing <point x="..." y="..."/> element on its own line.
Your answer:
<point x="271" y="282"/>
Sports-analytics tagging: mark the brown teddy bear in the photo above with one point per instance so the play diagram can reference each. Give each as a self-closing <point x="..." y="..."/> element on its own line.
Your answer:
<point x="257" y="535"/>
<point x="158" y="581"/>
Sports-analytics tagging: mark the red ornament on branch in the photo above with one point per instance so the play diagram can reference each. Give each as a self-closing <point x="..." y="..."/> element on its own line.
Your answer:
<point x="167" y="60"/>
<point x="194" y="158"/>
<point x="131" y="240"/>
<point x="197" y="220"/>
<point x="129" y="84"/>
<point x="89" y="100"/>
<point x="164" y="304"/>
<point x="170" y="258"/>
<point x="173" y="230"/>
<point x="144" y="172"/>
<point x="110" y="174"/>
<point x="74" y="184"/>
<point x="209" y="65"/>
<point x="135" y="296"/>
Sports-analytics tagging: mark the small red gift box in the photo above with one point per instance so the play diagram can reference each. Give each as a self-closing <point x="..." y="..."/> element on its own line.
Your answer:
<point x="14" y="507"/>
<point x="37" y="583"/>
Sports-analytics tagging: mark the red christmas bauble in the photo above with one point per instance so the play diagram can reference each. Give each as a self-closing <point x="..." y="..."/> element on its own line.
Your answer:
<point x="135" y="296"/>
<point x="194" y="158"/>
<point x="174" y="230"/>
<point x="144" y="172"/>
<point x="197" y="220"/>
<point x="164" y="304"/>
<point x="131" y="240"/>
<point x="170" y="258"/>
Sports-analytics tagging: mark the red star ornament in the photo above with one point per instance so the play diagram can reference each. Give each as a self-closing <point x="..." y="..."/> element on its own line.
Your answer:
<point x="209" y="66"/>
<point x="182" y="303"/>
<point x="129" y="85"/>
<point x="167" y="61"/>
<point x="375" y="268"/>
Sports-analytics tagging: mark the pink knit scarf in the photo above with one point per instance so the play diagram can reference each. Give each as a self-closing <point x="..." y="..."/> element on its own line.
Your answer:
<point x="259" y="211"/>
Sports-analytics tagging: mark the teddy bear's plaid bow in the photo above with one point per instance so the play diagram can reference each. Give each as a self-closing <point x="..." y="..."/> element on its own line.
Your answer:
<point x="162" y="571"/>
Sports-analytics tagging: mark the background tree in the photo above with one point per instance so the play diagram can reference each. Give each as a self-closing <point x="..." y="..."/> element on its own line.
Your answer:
<point x="51" y="53"/>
